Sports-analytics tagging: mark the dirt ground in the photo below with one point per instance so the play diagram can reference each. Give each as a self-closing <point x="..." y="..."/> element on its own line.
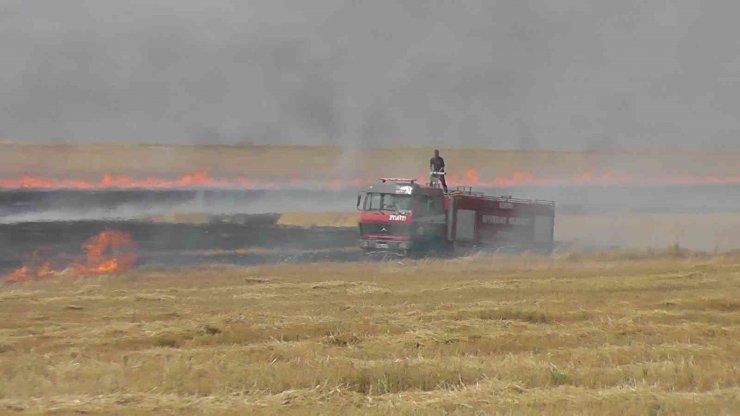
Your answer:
<point x="615" y="333"/>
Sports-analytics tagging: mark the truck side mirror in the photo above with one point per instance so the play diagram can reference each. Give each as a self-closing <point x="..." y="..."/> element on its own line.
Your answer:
<point x="359" y="199"/>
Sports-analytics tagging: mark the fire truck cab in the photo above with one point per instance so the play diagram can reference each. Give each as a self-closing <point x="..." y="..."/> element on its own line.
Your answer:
<point x="399" y="216"/>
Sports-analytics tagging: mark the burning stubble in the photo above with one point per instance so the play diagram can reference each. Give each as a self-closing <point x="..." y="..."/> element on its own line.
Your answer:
<point x="471" y="177"/>
<point x="110" y="251"/>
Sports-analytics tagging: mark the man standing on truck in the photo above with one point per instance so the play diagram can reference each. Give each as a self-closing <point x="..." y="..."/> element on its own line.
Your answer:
<point x="437" y="165"/>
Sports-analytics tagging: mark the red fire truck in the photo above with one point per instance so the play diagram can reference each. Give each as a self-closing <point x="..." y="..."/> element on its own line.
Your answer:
<point x="399" y="216"/>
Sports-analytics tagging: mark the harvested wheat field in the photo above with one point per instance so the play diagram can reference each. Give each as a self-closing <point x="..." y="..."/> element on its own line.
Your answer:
<point x="653" y="333"/>
<point x="81" y="161"/>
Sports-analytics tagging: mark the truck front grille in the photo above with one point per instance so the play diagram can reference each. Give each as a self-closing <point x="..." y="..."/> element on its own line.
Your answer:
<point x="385" y="229"/>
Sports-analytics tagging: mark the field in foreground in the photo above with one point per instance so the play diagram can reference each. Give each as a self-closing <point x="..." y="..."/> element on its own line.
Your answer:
<point x="507" y="335"/>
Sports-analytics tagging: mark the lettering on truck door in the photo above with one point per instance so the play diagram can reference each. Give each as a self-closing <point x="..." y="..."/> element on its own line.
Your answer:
<point x="524" y="221"/>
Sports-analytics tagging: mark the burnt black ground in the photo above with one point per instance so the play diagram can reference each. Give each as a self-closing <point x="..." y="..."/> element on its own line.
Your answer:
<point x="54" y="223"/>
<point x="75" y="205"/>
<point x="257" y="240"/>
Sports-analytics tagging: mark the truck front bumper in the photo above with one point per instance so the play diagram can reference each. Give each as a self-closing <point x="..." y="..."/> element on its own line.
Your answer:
<point x="385" y="245"/>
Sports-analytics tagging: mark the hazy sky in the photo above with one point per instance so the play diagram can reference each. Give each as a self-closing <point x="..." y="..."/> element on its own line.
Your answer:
<point x="560" y="74"/>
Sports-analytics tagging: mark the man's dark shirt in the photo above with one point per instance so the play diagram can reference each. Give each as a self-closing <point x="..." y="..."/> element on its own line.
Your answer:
<point x="438" y="164"/>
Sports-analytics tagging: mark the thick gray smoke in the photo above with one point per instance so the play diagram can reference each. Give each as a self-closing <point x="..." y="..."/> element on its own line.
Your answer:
<point x="508" y="74"/>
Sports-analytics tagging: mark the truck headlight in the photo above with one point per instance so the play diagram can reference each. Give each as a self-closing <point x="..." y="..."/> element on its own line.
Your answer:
<point x="404" y="245"/>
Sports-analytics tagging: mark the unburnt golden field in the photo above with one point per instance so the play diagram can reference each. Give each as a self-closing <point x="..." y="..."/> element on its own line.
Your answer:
<point x="651" y="333"/>
<point x="90" y="160"/>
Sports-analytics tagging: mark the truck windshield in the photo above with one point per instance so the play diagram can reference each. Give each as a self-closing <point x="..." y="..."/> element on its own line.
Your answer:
<point x="387" y="202"/>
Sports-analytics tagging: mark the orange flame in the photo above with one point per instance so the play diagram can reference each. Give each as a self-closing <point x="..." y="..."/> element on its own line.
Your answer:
<point x="108" y="252"/>
<point x="202" y="179"/>
<point x="30" y="272"/>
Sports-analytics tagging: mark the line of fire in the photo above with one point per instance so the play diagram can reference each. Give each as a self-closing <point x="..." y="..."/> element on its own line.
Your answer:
<point x="203" y="179"/>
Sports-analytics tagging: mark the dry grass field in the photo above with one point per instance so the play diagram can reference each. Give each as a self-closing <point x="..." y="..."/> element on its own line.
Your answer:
<point x="650" y="333"/>
<point x="319" y="219"/>
<point x="713" y="232"/>
<point x="70" y="160"/>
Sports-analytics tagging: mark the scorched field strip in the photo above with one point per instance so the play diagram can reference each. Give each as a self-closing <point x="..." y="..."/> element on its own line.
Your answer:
<point x="653" y="333"/>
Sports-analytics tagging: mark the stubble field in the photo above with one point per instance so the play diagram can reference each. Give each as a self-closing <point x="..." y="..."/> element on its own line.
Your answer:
<point x="617" y="333"/>
<point x="87" y="160"/>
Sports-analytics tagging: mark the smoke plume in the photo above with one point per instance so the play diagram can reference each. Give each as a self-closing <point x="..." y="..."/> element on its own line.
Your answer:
<point x="571" y="74"/>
